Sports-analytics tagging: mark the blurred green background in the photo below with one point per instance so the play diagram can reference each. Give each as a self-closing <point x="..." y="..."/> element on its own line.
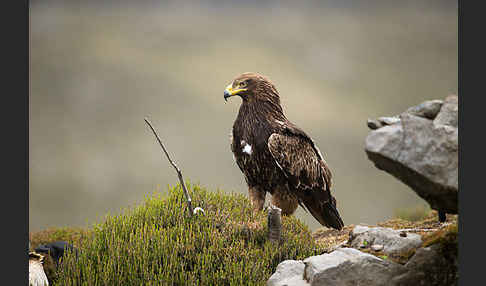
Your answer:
<point x="96" y="70"/>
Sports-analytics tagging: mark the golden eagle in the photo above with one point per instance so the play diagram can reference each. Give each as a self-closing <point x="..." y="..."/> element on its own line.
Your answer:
<point x="276" y="156"/>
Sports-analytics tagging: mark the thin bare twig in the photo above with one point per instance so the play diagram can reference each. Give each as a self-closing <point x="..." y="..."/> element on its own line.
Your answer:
<point x="179" y="173"/>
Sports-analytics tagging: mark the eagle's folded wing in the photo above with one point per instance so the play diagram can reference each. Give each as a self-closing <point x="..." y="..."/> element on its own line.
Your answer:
<point x="308" y="176"/>
<point x="299" y="161"/>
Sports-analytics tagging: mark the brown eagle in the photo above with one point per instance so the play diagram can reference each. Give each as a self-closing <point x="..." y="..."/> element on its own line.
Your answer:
<point x="276" y="156"/>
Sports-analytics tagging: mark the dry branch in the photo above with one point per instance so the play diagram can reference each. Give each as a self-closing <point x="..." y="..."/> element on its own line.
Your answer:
<point x="179" y="173"/>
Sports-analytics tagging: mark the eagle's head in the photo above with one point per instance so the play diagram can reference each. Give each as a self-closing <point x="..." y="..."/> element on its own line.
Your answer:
<point x="252" y="87"/>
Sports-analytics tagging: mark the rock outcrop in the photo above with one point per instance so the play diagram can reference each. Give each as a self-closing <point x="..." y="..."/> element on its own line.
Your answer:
<point x="420" y="148"/>
<point x="430" y="266"/>
<point x="289" y="272"/>
<point x="434" y="264"/>
<point x="348" y="266"/>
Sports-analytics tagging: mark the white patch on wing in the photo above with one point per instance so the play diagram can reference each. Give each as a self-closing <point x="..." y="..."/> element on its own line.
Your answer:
<point x="247" y="149"/>
<point x="279" y="122"/>
<point x="281" y="168"/>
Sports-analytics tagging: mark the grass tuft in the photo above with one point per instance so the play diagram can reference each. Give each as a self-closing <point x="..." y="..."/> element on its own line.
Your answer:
<point x="156" y="243"/>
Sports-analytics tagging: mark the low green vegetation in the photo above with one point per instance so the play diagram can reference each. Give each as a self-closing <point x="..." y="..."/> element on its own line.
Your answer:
<point x="157" y="243"/>
<point x="73" y="235"/>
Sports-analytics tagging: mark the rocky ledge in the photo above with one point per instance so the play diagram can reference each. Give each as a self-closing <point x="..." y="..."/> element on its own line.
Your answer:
<point x="396" y="252"/>
<point x="420" y="147"/>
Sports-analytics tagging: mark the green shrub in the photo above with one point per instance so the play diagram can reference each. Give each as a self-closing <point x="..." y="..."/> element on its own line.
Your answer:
<point x="157" y="243"/>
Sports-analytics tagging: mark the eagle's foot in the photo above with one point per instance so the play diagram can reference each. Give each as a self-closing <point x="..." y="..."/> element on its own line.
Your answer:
<point x="257" y="198"/>
<point x="288" y="204"/>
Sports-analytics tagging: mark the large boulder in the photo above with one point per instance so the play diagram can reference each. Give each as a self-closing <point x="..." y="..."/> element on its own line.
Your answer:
<point x="420" y="148"/>
<point x="344" y="266"/>
<point x="348" y="266"/>
<point x="288" y="273"/>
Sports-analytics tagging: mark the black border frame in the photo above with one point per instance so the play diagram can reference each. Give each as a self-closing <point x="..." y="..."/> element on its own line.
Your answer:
<point x="15" y="139"/>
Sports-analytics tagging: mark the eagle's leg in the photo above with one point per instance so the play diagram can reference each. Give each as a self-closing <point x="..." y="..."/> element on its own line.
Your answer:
<point x="257" y="198"/>
<point x="285" y="201"/>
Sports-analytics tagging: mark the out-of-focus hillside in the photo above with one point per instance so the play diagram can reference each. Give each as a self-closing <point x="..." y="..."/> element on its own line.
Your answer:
<point x="97" y="70"/>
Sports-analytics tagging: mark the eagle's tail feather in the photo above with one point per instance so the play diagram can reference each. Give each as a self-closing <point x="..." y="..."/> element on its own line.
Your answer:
<point x="324" y="211"/>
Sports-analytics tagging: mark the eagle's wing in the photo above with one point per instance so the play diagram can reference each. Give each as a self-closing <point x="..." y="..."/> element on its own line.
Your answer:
<point x="307" y="173"/>
<point x="299" y="161"/>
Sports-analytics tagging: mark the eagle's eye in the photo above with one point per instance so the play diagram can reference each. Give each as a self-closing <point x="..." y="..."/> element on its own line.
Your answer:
<point x="242" y="84"/>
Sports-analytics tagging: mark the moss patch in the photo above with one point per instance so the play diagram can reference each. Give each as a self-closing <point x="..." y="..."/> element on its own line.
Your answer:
<point x="443" y="236"/>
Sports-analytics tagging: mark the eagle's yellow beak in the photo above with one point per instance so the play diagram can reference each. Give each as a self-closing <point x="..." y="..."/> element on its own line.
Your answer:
<point x="229" y="91"/>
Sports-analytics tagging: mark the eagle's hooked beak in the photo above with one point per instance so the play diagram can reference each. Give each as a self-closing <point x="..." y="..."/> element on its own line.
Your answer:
<point x="229" y="91"/>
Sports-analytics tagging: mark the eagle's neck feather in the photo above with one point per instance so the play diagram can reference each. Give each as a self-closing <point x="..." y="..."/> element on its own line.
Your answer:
<point x="257" y="120"/>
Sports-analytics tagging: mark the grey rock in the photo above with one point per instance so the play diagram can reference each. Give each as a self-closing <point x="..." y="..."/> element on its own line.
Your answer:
<point x="428" y="109"/>
<point x="374" y="124"/>
<point x="433" y="265"/>
<point x="449" y="112"/>
<point x="377" y="247"/>
<point x="391" y="241"/>
<point x="288" y="272"/>
<point x="348" y="266"/>
<point x="430" y="266"/>
<point x="389" y="120"/>
<point x="422" y="153"/>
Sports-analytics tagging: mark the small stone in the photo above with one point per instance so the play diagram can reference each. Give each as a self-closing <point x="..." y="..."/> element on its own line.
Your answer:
<point x="403" y="234"/>
<point x="448" y="114"/>
<point x="377" y="247"/>
<point x="428" y="109"/>
<point x="373" y="124"/>
<point x="389" y="120"/>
